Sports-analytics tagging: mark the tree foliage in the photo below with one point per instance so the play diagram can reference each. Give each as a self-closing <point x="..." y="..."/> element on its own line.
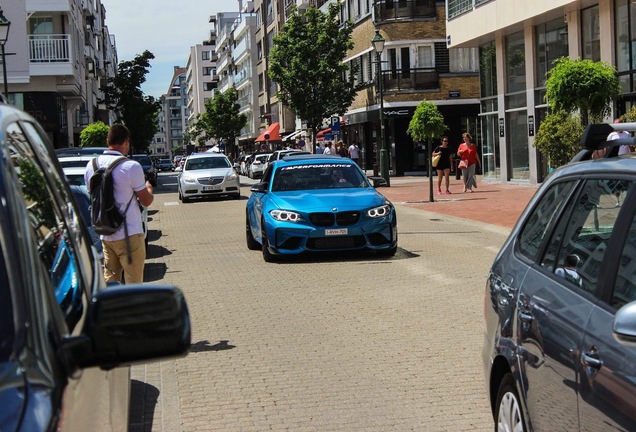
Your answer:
<point x="559" y="138"/>
<point x="124" y="96"/>
<point x="221" y="120"/>
<point x="427" y="122"/>
<point x="94" y="135"/>
<point x="307" y="63"/>
<point x="583" y="85"/>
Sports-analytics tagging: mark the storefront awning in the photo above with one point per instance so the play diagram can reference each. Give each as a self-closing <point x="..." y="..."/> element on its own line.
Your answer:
<point x="272" y="133"/>
<point x="324" y="134"/>
<point x="293" y="135"/>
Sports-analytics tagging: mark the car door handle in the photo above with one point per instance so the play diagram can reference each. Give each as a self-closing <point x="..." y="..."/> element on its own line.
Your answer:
<point x="525" y="316"/>
<point x="590" y="359"/>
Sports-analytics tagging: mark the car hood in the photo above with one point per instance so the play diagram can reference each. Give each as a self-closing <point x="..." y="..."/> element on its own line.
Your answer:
<point x="327" y="200"/>
<point x="215" y="172"/>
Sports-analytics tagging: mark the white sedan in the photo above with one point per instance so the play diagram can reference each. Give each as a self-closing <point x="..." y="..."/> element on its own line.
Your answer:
<point x="208" y="174"/>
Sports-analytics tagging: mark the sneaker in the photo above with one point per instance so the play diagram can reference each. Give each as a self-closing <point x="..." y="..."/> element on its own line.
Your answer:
<point x="439" y="191"/>
<point x="448" y="192"/>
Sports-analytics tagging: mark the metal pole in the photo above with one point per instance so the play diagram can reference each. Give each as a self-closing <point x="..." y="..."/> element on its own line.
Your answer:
<point x="4" y="74"/>
<point x="384" y="156"/>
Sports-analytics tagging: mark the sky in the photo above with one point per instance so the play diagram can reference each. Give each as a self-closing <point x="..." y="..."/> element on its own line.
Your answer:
<point x="166" y="28"/>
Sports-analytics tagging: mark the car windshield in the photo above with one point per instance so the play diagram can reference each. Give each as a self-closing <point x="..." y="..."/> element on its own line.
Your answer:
<point x="165" y="161"/>
<point x="71" y="163"/>
<point x="206" y="163"/>
<point x="318" y="176"/>
<point x="76" y="179"/>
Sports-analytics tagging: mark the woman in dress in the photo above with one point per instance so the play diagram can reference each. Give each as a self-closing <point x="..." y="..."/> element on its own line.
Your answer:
<point x="467" y="152"/>
<point x="444" y="165"/>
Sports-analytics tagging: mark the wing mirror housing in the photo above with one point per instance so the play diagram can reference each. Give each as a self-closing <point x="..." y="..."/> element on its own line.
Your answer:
<point x="132" y="323"/>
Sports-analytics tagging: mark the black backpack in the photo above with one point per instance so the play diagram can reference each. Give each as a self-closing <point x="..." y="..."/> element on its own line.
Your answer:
<point x="105" y="216"/>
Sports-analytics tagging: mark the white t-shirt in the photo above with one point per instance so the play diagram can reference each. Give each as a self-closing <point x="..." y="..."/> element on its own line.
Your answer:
<point x="624" y="149"/>
<point x="128" y="178"/>
<point x="354" y="151"/>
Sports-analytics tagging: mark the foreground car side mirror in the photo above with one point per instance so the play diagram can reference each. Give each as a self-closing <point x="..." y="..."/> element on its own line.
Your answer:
<point x="132" y="323"/>
<point x="624" y="328"/>
<point x="259" y="187"/>
<point x="378" y="182"/>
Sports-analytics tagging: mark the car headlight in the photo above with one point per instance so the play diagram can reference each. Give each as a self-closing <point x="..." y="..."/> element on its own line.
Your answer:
<point x="188" y="179"/>
<point x="231" y="176"/>
<point x="286" y="216"/>
<point x="378" y="212"/>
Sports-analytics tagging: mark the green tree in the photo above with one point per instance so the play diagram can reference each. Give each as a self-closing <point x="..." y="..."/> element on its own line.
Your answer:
<point x="306" y="61"/>
<point x="427" y="124"/>
<point x="221" y="120"/>
<point x="124" y="96"/>
<point x="94" y="135"/>
<point x="582" y="85"/>
<point x="559" y="138"/>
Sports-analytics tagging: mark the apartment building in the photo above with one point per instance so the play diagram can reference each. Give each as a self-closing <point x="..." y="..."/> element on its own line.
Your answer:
<point x="518" y="40"/>
<point x="415" y="66"/>
<point x="201" y="78"/>
<point x="174" y="108"/>
<point x="57" y="59"/>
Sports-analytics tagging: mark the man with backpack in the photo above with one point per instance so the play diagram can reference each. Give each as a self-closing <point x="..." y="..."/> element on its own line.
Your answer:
<point x="116" y="185"/>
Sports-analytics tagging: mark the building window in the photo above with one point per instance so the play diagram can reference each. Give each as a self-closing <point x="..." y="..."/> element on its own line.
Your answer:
<point x="205" y="55"/>
<point x="591" y="34"/>
<point x="207" y="71"/>
<point x="488" y="70"/>
<point x="551" y="43"/>
<point x="463" y="59"/>
<point x="515" y="63"/>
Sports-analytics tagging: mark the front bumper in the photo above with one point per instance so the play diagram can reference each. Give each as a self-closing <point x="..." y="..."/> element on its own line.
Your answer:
<point x="287" y="238"/>
<point x="224" y="187"/>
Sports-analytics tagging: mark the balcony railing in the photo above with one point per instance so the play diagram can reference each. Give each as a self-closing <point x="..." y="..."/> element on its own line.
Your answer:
<point x="411" y="79"/>
<point x="52" y="48"/>
<point x="459" y="7"/>
<point x="389" y="10"/>
<point x="242" y="76"/>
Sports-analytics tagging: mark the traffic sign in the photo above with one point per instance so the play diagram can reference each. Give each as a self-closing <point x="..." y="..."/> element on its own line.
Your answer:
<point x="335" y="124"/>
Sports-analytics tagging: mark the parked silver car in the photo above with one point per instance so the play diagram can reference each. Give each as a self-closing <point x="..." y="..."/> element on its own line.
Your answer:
<point x="560" y="303"/>
<point x="208" y="174"/>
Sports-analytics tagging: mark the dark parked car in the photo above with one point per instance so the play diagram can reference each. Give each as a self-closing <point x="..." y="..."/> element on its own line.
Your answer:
<point x="165" y="165"/>
<point x="560" y="305"/>
<point x="149" y="169"/>
<point x="66" y="339"/>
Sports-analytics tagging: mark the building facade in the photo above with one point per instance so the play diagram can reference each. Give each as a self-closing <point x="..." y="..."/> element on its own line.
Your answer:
<point x="517" y="42"/>
<point x="415" y="66"/>
<point x="57" y="60"/>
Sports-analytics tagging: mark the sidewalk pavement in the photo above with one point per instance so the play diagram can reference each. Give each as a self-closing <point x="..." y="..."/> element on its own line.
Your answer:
<point x="493" y="203"/>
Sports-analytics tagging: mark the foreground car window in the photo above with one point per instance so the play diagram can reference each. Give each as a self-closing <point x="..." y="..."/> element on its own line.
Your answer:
<point x="318" y="176"/>
<point x="206" y="163"/>
<point x="535" y="229"/>
<point x="625" y="287"/>
<point x="53" y="236"/>
<point x="577" y="247"/>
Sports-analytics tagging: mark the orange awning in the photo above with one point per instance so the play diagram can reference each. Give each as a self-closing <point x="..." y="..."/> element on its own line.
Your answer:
<point x="272" y="133"/>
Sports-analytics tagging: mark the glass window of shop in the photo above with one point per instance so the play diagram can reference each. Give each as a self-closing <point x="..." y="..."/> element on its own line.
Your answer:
<point x="516" y="107"/>
<point x="488" y="116"/>
<point x="551" y="43"/>
<point x="625" y="38"/>
<point x="591" y="34"/>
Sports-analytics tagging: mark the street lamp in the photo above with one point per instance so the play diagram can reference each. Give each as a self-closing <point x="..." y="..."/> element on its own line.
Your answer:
<point x="378" y="46"/>
<point x="4" y="35"/>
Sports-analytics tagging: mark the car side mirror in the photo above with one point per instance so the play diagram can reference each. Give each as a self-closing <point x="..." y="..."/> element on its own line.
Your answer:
<point x="378" y="182"/>
<point x="624" y="328"/>
<point x="259" y="187"/>
<point x="131" y="323"/>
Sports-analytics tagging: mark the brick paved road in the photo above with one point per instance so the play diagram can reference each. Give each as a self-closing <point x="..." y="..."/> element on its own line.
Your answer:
<point x="333" y="343"/>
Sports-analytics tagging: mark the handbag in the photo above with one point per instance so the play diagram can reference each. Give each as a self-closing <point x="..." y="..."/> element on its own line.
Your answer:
<point x="462" y="164"/>
<point x="435" y="159"/>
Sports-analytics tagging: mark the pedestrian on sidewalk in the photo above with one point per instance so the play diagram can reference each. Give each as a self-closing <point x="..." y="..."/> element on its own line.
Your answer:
<point x="354" y="152"/>
<point x="444" y="165"/>
<point x="342" y="150"/>
<point x="467" y="152"/>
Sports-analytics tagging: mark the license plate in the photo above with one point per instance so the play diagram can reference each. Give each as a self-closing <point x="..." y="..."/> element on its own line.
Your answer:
<point x="339" y="231"/>
<point x="211" y="188"/>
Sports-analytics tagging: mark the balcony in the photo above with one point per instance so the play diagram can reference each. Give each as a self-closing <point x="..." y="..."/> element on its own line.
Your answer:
<point x="241" y="76"/>
<point x="50" y="55"/>
<point x="411" y="80"/>
<point x="393" y="10"/>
